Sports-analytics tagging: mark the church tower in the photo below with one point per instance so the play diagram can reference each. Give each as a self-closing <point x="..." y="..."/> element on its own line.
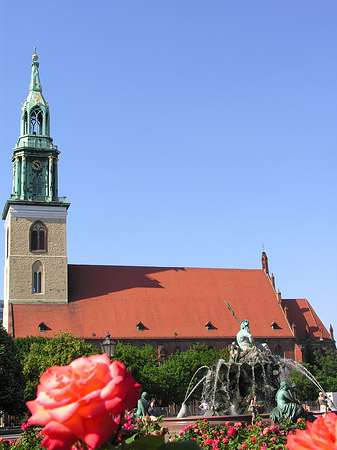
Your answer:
<point x="36" y="267"/>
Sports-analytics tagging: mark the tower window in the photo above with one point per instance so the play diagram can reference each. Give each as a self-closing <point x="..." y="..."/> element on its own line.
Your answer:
<point x="36" y="121"/>
<point x="38" y="237"/>
<point x="25" y="131"/>
<point x="37" y="277"/>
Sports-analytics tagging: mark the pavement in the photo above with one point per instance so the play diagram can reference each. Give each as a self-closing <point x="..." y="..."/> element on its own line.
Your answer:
<point x="10" y="432"/>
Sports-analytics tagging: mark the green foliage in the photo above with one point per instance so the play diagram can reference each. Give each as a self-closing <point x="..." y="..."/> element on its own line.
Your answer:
<point x="324" y="369"/>
<point x="11" y="379"/>
<point x="177" y="371"/>
<point x="57" y="351"/>
<point x="169" y="381"/>
<point x="137" y="360"/>
<point x="23" y="345"/>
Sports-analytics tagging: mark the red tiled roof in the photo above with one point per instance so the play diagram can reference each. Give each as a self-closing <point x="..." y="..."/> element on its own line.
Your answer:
<point x="170" y="302"/>
<point x="303" y="316"/>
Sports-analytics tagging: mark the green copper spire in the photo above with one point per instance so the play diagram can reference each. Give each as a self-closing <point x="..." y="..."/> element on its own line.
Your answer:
<point x="35" y="110"/>
<point x="35" y="157"/>
<point x="35" y="84"/>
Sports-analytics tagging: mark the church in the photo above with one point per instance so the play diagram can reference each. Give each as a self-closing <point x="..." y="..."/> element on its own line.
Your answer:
<point x="169" y="308"/>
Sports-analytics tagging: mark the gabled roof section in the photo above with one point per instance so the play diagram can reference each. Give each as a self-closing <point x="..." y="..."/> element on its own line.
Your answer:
<point x="308" y="324"/>
<point x="170" y="302"/>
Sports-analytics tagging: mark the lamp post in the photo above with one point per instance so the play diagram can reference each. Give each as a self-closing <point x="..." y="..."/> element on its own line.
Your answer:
<point x="108" y="346"/>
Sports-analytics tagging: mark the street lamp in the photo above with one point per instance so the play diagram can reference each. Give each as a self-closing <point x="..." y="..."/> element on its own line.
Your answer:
<point x="108" y="346"/>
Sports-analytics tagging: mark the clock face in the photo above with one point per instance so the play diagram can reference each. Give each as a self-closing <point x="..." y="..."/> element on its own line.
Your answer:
<point x="36" y="165"/>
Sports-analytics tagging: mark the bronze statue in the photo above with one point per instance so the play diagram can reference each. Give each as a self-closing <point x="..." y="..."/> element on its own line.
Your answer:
<point x="142" y="406"/>
<point x="288" y="406"/>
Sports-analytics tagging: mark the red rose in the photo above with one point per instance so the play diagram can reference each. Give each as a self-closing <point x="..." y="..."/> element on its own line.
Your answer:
<point x="320" y="435"/>
<point x="77" y="401"/>
<point x="231" y="431"/>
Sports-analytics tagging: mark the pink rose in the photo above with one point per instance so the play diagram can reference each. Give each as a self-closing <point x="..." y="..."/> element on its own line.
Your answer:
<point x="77" y="401"/>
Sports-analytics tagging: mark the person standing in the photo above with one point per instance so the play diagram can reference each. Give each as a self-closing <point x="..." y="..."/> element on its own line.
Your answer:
<point x="253" y="408"/>
<point x="152" y="407"/>
<point x="322" y="402"/>
<point x="204" y="406"/>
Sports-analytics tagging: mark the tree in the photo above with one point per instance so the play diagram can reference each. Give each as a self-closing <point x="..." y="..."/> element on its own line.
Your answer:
<point x="139" y="361"/>
<point x="57" y="351"/>
<point x="11" y="379"/>
<point x="175" y="375"/>
<point x="168" y="382"/>
<point x="324" y="369"/>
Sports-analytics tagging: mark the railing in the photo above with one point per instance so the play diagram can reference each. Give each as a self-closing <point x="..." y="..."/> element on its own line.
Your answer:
<point x="38" y="142"/>
<point x="39" y="199"/>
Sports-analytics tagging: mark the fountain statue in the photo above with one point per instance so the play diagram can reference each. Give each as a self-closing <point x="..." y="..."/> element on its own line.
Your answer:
<point x="288" y="405"/>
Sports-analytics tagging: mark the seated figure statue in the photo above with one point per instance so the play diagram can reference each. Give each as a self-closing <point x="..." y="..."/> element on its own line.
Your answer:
<point x="142" y="406"/>
<point x="287" y="405"/>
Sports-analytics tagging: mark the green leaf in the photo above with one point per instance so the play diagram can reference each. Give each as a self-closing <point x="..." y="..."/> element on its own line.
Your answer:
<point x="180" y="445"/>
<point x="130" y="439"/>
<point x="148" y="443"/>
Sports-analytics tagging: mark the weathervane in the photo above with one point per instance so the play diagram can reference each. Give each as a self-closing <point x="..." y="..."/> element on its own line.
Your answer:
<point x="35" y="57"/>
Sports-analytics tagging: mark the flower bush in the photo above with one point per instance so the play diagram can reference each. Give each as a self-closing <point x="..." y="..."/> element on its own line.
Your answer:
<point x="259" y="436"/>
<point x="30" y="439"/>
<point x="83" y="406"/>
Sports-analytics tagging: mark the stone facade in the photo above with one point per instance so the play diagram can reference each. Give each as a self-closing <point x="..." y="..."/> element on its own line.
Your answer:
<point x="20" y="260"/>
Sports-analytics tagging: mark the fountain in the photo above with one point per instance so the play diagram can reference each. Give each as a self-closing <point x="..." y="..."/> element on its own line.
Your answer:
<point x="252" y="370"/>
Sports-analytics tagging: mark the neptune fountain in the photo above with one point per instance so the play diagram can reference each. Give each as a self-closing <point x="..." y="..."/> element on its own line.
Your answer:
<point x="252" y="371"/>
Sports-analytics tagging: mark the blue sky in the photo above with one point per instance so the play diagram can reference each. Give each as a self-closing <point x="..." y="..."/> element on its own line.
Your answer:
<point x="192" y="132"/>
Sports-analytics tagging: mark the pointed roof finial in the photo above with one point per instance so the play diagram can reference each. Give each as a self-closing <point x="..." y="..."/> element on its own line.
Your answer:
<point x="35" y="84"/>
<point x="34" y="56"/>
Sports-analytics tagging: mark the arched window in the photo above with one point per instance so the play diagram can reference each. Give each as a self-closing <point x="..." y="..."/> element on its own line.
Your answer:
<point x="279" y="351"/>
<point x="38" y="237"/>
<point x="36" y="121"/>
<point x="37" y="277"/>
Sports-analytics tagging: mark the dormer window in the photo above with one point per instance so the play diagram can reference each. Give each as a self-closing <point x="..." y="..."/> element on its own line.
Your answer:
<point x="210" y="326"/>
<point x="141" y="326"/>
<point x="275" y="325"/>
<point x="38" y="237"/>
<point x="43" y="327"/>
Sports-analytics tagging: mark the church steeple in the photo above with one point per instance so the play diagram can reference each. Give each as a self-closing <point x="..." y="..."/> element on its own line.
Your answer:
<point x="36" y="267"/>
<point x="35" y="157"/>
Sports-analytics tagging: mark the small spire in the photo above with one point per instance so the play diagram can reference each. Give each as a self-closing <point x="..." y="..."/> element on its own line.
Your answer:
<point x="35" y="84"/>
